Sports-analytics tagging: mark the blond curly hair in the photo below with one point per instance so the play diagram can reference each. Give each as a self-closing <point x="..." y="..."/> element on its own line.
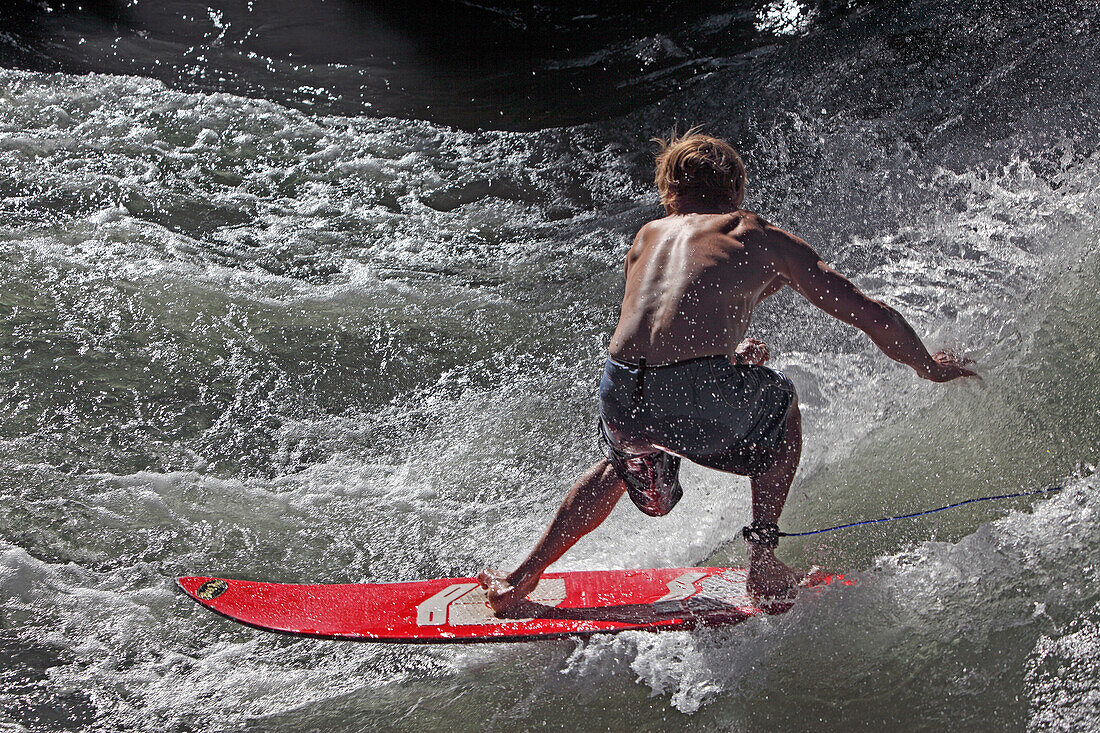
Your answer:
<point x="698" y="166"/>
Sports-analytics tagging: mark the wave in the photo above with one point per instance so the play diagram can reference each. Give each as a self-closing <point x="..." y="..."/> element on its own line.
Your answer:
<point x="252" y="339"/>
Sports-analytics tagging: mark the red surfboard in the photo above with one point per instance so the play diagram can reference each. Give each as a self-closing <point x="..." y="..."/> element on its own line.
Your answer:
<point x="456" y="609"/>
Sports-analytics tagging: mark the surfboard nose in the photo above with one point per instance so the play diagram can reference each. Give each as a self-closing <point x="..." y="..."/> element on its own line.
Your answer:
<point x="203" y="589"/>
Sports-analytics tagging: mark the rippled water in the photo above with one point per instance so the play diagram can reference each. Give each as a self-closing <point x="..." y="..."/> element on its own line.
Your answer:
<point x="246" y="339"/>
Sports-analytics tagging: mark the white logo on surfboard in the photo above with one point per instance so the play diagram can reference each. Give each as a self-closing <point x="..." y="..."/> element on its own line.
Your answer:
<point x="465" y="604"/>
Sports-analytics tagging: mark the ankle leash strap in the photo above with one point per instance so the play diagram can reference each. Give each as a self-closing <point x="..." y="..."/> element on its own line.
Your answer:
<point x="762" y="533"/>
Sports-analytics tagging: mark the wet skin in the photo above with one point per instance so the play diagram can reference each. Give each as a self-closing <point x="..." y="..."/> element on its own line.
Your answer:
<point x="693" y="279"/>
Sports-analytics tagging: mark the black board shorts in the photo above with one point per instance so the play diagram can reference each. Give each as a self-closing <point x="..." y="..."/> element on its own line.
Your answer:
<point x="731" y="417"/>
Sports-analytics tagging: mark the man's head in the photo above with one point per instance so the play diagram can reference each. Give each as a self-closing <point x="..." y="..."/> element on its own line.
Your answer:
<point x="699" y="170"/>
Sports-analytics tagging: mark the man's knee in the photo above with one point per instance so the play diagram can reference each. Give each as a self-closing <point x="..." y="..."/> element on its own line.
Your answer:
<point x="602" y="475"/>
<point x="610" y="476"/>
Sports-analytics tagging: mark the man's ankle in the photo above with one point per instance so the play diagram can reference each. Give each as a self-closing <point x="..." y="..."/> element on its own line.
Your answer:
<point x="517" y="577"/>
<point x="759" y="552"/>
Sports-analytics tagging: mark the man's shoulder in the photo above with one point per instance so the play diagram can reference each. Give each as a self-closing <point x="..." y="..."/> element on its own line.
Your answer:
<point x="648" y="227"/>
<point x="747" y="219"/>
<point x="771" y="233"/>
<point x="645" y="234"/>
<point x="748" y="228"/>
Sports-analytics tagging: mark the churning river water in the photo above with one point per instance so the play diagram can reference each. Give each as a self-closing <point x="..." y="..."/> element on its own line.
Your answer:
<point x="249" y="334"/>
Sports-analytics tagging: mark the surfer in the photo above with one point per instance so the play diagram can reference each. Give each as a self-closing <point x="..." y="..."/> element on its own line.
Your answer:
<point x="681" y="379"/>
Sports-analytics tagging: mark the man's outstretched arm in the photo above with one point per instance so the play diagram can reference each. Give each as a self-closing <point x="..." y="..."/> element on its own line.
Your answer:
<point x="830" y="291"/>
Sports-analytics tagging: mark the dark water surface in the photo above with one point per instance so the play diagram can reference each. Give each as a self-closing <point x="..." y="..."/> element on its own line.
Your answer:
<point x="255" y="331"/>
<point x="502" y="65"/>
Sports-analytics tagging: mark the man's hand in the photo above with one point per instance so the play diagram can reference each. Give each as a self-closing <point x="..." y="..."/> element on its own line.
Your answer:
<point x="947" y="366"/>
<point x="752" y="351"/>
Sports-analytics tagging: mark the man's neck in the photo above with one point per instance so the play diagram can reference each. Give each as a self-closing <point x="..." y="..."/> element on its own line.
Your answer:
<point x="695" y="206"/>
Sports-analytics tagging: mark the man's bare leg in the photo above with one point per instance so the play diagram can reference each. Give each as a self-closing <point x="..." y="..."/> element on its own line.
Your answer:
<point x="585" y="507"/>
<point x="768" y="577"/>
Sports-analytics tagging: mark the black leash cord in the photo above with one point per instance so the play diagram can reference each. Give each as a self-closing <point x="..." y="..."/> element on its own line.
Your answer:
<point x="920" y="514"/>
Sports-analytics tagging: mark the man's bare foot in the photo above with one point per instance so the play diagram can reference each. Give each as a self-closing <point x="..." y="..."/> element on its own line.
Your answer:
<point x="502" y="591"/>
<point x="771" y="584"/>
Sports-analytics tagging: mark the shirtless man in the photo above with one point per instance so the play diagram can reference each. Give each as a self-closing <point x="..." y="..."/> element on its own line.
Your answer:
<point x="681" y="383"/>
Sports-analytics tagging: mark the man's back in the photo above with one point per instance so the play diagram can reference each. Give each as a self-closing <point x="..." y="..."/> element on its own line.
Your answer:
<point x="692" y="281"/>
